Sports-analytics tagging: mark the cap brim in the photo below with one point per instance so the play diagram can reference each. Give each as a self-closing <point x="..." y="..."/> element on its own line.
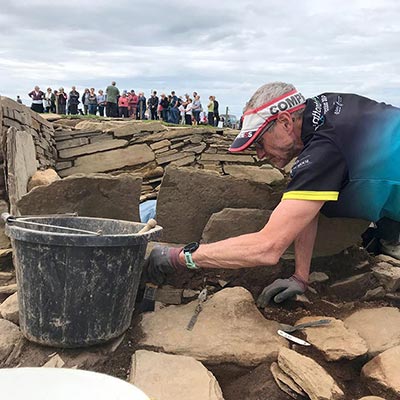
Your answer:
<point x="243" y="141"/>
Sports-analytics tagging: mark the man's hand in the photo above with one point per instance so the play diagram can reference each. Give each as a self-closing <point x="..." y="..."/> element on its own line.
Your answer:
<point x="282" y="289"/>
<point x="163" y="261"/>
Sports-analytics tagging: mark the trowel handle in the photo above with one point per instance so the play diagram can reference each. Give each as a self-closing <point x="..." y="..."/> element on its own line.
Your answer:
<point x="151" y="223"/>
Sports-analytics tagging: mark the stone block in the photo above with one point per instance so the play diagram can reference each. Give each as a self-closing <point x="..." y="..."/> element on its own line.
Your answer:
<point x="170" y="377"/>
<point x="111" y="160"/>
<point x="241" y="335"/>
<point x="93" y="195"/>
<point x="189" y="196"/>
<point x="21" y="164"/>
<point x="227" y="157"/>
<point x="68" y="144"/>
<point x="92" y="148"/>
<point x="160" y="144"/>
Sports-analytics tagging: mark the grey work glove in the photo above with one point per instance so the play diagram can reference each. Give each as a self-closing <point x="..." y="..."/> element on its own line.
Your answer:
<point x="282" y="289"/>
<point x="163" y="261"/>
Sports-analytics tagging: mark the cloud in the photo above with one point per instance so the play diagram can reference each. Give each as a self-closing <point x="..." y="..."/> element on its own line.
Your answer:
<point x="223" y="48"/>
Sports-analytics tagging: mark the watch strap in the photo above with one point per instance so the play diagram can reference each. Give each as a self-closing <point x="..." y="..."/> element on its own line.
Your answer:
<point x="190" y="264"/>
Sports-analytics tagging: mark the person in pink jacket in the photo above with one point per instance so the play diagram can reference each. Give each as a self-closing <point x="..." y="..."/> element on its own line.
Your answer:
<point x="123" y="105"/>
<point x="133" y="100"/>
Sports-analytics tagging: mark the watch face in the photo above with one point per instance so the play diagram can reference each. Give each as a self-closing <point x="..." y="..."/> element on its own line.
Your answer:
<point x="191" y="247"/>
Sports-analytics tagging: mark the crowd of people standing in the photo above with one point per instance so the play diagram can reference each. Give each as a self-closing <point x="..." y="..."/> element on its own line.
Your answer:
<point x="111" y="103"/>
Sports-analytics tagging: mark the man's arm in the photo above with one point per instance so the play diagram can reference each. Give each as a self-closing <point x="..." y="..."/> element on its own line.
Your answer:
<point x="265" y="247"/>
<point x="303" y="248"/>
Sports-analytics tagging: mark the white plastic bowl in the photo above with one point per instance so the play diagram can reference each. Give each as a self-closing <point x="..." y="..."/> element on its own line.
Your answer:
<point x="64" y="384"/>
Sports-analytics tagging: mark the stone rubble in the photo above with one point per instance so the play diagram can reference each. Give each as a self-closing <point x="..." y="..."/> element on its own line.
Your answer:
<point x="310" y="376"/>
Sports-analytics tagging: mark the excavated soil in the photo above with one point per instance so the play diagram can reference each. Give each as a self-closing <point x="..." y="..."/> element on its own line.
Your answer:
<point x="256" y="383"/>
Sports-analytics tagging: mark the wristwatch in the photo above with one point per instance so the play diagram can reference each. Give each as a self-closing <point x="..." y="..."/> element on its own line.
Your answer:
<point x="187" y="252"/>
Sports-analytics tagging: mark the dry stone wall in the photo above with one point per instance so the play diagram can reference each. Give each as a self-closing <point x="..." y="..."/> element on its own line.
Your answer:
<point x="26" y="144"/>
<point x="22" y="118"/>
<point x="147" y="148"/>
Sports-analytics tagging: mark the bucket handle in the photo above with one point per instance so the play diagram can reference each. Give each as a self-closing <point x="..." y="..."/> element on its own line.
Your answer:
<point x="9" y="219"/>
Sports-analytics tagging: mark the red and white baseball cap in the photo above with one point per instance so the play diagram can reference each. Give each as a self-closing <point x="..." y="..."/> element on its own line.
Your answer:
<point x="255" y="120"/>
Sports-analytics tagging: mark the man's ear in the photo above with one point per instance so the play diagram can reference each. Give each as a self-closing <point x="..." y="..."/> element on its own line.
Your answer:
<point x="285" y="119"/>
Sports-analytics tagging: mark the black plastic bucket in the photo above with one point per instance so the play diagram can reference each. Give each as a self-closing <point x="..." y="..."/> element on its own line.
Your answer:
<point x="77" y="289"/>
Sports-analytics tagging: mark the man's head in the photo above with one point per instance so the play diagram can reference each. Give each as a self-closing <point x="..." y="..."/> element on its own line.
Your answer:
<point x="73" y="88"/>
<point x="272" y="122"/>
<point x="113" y="83"/>
<point x="37" y="88"/>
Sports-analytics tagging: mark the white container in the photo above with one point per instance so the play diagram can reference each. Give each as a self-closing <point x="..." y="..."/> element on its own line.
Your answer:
<point x="64" y="384"/>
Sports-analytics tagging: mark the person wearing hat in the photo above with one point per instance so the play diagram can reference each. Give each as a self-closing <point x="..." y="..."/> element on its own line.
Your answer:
<point x="347" y="148"/>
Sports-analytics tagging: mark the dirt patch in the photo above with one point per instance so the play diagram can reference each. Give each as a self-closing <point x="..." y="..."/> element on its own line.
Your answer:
<point x="237" y="382"/>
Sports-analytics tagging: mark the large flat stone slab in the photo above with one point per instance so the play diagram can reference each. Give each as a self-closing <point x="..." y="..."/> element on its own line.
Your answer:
<point x="333" y="235"/>
<point x="93" y="195"/>
<point x="379" y="327"/>
<point x="382" y="374"/>
<point x="111" y="160"/>
<point x="188" y="197"/>
<point x="170" y="377"/>
<point x="92" y="148"/>
<point x="230" y="329"/>
<point x="256" y="174"/>
<point x="21" y="164"/>
<point x="335" y="340"/>
<point x="309" y="375"/>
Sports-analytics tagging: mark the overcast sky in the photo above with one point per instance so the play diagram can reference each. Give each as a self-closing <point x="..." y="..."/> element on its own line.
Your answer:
<point x="224" y="48"/>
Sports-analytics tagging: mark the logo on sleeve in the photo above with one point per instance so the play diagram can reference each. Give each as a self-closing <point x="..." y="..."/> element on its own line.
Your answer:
<point x="338" y="105"/>
<point x="316" y="116"/>
<point x="300" y="164"/>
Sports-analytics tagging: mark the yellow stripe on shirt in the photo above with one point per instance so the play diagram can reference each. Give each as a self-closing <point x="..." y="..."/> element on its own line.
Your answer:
<point x="310" y="195"/>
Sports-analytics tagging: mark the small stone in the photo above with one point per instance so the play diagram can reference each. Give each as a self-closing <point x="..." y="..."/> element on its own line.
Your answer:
<point x="389" y="259"/>
<point x="374" y="294"/>
<point x="9" y="309"/>
<point x="41" y="178"/>
<point x="189" y="293"/>
<point x="318" y="277"/>
<point x="362" y="265"/>
<point x="387" y="275"/>
<point x="302" y="298"/>
<point x="55" y="362"/>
